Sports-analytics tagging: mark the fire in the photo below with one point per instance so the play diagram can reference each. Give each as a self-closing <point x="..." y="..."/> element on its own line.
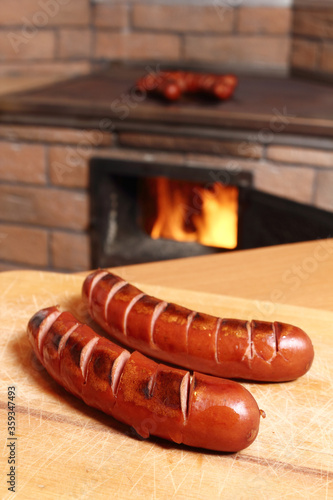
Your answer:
<point x="187" y="211"/>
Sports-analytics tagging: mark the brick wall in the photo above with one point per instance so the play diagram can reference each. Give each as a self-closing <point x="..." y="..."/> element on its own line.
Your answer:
<point x="44" y="200"/>
<point x="70" y="36"/>
<point x="312" y="46"/>
<point x="44" y="203"/>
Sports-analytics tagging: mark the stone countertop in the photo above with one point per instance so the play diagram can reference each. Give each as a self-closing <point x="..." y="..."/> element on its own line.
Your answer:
<point x="10" y="84"/>
<point x="268" y="105"/>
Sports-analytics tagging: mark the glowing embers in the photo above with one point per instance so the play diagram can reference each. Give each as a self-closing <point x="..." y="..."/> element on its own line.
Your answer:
<point x="193" y="212"/>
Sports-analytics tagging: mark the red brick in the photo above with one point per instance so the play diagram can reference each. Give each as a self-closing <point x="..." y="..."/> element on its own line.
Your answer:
<point x="59" y="135"/>
<point x="110" y="16"/>
<point x="294" y="183"/>
<point x="326" y="59"/>
<point x="56" y="68"/>
<point x="68" y="167"/>
<point x="14" y="46"/>
<point x="75" y="43"/>
<point x="41" y="13"/>
<point x="6" y="266"/>
<point x="314" y="22"/>
<point x="44" y="207"/>
<point x="264" y="20"/>
<point x="195" y="144"/>
<point x="324" y="190"/>
<point x="71" y="170"/>
<point x="22" y="163"/>
<point x="305" y="156"/>
<point x="183" y="18"/>
<point x="262" y="52"/>
<point x="137" y="46"/>
<point x="148" y="156"/>
<point x="12" y="11"/>
<point x="70" y="251"/>
<point x="23" y="245"/>
<point x="304" y="54"/>
<point x="219" y="162"/>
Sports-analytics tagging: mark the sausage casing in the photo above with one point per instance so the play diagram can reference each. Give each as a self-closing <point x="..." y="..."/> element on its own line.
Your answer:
<point x="197" y="410"/>
<point x="173" y="84"/>
<point x="229" y="348"/>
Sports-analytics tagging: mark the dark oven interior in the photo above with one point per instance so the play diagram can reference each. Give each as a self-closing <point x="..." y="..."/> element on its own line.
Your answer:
<point x="127" y="219"/>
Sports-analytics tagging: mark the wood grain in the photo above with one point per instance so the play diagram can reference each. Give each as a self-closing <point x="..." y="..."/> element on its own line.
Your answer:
<point x="299" y="274"/>
<point x="66" y="449"/>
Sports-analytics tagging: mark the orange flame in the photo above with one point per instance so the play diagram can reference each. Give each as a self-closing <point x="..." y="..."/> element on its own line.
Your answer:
<point x="187" y="211"/>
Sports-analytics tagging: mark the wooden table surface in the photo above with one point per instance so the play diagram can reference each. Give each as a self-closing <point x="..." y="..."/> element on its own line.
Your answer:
<point x="65" y="449"/>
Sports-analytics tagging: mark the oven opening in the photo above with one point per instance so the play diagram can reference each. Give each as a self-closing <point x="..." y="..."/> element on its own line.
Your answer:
<point x="145" y="212"/>
<point x="184" y="211"/>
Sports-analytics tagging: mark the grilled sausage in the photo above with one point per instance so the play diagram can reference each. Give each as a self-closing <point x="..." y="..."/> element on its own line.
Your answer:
<point x="172" y="84"/>
<point x="161" y="85"/>
<point x="218" y="86"/>
<point x="197" y="410"/>
<point x="230" y="348"/>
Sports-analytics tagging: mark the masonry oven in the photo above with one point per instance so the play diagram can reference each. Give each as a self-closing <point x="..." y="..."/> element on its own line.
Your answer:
<point x="141" y="212"/>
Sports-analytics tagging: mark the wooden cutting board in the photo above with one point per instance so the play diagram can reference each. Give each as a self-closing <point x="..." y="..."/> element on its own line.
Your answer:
<point x="68" y="450"/>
